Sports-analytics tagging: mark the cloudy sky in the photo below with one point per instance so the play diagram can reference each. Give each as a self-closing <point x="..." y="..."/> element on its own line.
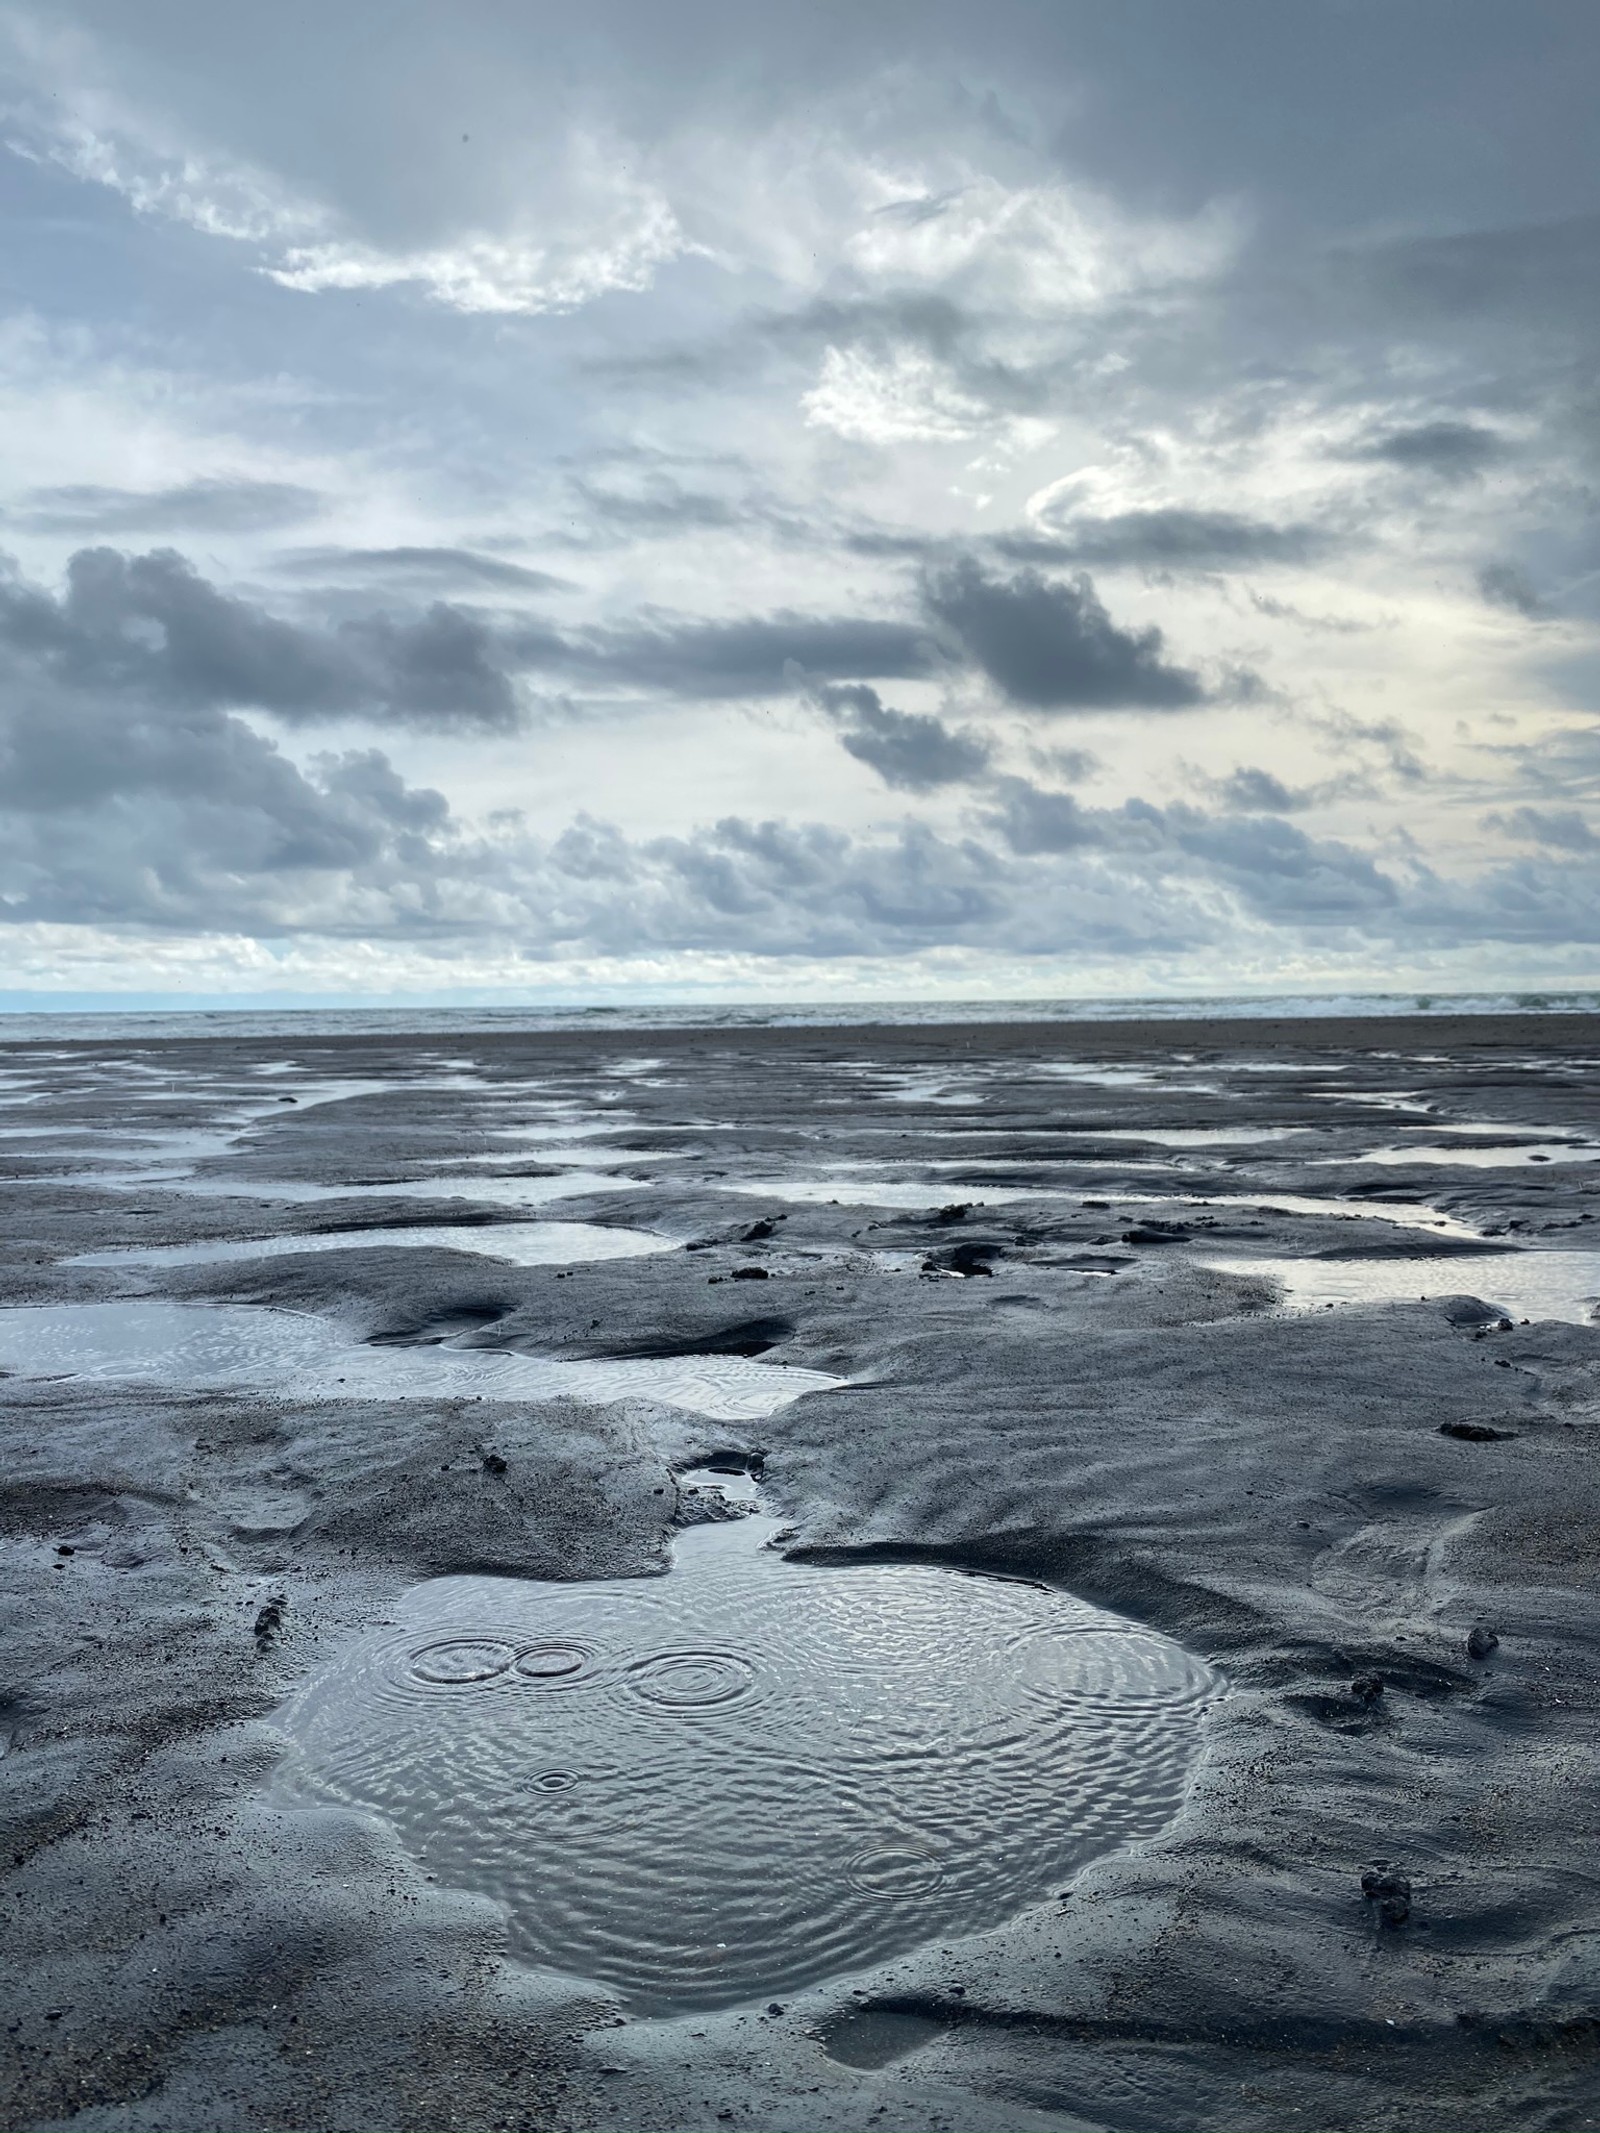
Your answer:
<point x="959" y="497"/>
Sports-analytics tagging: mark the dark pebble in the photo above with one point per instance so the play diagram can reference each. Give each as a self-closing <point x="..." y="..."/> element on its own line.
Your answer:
<point x="1389" y="1892"/>
<point x="1481" y="1641"/>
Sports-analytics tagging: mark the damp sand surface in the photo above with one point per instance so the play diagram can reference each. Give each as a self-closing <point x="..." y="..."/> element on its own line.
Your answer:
<point x="399" y="1497"/>
<point x="751" y="1774"/>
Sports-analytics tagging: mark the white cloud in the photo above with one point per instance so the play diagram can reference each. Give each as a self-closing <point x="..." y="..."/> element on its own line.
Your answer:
<point x="901" y="398"/>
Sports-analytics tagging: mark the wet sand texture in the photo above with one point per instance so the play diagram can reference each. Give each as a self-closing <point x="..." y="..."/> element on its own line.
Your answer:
<point x="1258" y="1358"/>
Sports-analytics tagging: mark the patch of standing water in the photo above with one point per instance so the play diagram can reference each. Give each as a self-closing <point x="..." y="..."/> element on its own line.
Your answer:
<point x="488" y="1192"/>
<point x="1524" y="1284"/>
<point x="1410" y="1214"/>
<point x="867" y="1192"/>
<point x="752" y="1774"/>
<point x="517" y="1243"/>
<point x="1507" y="1158"/>
<point x="1195" y="1136"/>
<point x="298" y="1356"/>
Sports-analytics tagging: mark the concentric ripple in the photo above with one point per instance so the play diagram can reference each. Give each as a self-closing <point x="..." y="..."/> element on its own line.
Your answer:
<point x="721" y="1785"/>
<point x="692" y="1681"/>
<point x="455" y="1661"/>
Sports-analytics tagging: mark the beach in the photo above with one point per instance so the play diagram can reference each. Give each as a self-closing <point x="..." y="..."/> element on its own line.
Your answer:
<point x="1257" y="1356"/>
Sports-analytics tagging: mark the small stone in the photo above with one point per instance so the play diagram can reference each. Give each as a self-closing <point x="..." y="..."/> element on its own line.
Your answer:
<point x="1475" y="1432"/>
<point x="749" y="1273"/>
<point x="1389" y="1892"/>
<point x="1481" y="1641"/>
<point x="493" y="1463"/>
<point x="776" y="2007"/>
<point x="1367" y="1688"/>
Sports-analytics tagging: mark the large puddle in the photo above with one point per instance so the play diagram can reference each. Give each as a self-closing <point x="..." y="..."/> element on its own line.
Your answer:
<point x="490" y="1192"/>
<point x="518" y="1243"/>
<point x="1511" y="1156"/>
<point x="751" y="1774"/>
<point x="1524" y="1284"/>
<point x="299" y="1356"/>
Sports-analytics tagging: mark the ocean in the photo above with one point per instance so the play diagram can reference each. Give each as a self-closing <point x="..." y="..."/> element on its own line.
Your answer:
<point x="46" y="1025"/>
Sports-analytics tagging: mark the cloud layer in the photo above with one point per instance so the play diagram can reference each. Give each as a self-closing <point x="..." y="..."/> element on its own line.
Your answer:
<point x="1062" y="484"/>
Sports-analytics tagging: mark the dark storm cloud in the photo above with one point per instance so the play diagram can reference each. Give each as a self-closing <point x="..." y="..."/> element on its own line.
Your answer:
<point x="908" y="750"/>
<point x="1275" y="869"/>
<point x="214" y="506"/>
<point x="755" y="656"/>
<point x="1249" y="791"/>
<point x="1537" y="275"/>
<point x="1050" y="645"/>
<point x="117" y="809"/>
<point x="1508" y="585"/>
<point x="1166" y="540"/>
<point x="1452" y="450"/>
<point x="453" y="565"/>
<point x="1280" y="871"/>
<point x="1032" y="820"/>
<point x="150" y="631"/>
<point x="1560" y="829"/>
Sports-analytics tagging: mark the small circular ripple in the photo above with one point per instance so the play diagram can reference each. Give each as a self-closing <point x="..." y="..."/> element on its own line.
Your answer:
<point x="554" y="1664"/>
<point x="691" y="1681"/>
<point x="894" y="1870"/>
<point x="454" y="1662"/>
<point x="775" y="1772"/>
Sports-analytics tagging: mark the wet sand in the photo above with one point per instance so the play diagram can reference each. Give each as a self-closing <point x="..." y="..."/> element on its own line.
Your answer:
<point x="1274" y="1340"/>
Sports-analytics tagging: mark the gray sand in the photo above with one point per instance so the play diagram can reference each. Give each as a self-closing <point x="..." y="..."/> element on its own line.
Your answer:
<point x="1256" y="1395"/>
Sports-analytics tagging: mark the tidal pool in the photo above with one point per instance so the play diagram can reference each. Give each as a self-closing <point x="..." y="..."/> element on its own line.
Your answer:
<point x="750" y="1774"/>
<point x="1524" y="1284"/>
<point x="518" y="1243"/>
<point x="149" y="1339"/>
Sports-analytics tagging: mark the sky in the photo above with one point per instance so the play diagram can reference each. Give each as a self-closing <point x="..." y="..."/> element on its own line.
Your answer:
<point x="673" y="499"/>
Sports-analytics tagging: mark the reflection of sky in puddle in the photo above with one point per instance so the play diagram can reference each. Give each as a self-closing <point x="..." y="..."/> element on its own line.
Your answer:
<point x="295" y="1355"/>
<point x="728" y="1783"/>
<point x="585" y="1154"/>
<point x="1411" y="1214"/>
<point x="868" y="1192"/>
<point x="517" y="1243"/>
<point x="1196" y="1136"/>
<point x="858" y="1192"/>
<point x="490" y="1192"/>
<point x="1473" y="1158"/>
<point x="1107" y="1077"/>
<point x="1526" y="1284"/>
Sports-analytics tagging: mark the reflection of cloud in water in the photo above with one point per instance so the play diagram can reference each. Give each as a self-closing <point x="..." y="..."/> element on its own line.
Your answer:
<point x="517" y="1243"/>
<point x="309" y="1358"/>
<point x="1526" y="1284"/>
<point x="1470" y="1158"/>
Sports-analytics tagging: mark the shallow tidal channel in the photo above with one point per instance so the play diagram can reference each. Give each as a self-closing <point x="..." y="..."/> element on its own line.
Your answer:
<point x="751" y="1774"/>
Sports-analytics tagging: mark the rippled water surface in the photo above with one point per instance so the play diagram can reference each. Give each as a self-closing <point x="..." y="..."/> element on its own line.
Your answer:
<point x="728" y="1782"/>
<point x="304" y="1357"/>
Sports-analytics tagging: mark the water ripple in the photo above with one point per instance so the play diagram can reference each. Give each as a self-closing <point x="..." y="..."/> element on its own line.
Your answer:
<point x="721" y="1785"/>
